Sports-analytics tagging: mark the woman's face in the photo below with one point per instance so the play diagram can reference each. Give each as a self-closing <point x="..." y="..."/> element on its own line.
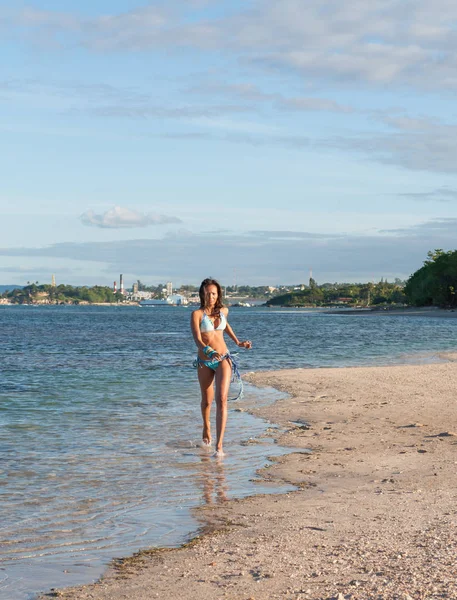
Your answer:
<point x="210" y="295"/>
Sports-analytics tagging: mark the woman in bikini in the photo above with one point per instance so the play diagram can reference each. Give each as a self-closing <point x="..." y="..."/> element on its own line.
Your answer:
<point x="208" y="324"/>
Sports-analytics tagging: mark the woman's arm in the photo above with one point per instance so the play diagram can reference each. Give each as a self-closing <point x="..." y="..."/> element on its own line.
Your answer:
<point x="246" y="344"/>
<point x="195" y="327"/>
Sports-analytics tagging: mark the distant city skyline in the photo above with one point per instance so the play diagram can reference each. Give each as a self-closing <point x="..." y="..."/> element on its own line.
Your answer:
<point x="169" y="286"/>
<point x="180" y="140"/>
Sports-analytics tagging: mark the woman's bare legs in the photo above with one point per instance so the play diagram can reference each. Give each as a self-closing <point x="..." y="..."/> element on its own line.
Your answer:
<point x="223" y="376"/>
<point x="206" y="378"/>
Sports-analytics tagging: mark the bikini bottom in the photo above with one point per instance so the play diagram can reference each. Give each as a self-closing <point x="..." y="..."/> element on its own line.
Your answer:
<point x="213" y="364"/>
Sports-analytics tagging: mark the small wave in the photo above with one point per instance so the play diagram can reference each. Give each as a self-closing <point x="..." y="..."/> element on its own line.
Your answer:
<point x="16" y="387"/>
<point x="175" y="333"/>
<point x="182" y="444"/>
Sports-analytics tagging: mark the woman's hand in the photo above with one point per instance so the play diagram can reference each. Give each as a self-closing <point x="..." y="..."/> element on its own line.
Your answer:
<point x="212" y="354"/>
<point x="246" y="344"/>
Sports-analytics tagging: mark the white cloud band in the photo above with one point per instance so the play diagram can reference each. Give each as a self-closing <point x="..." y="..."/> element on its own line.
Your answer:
<point x="121" y="218"/>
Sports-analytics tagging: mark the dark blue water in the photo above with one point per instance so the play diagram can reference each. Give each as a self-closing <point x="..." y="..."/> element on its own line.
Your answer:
<point x="100" y="424"/>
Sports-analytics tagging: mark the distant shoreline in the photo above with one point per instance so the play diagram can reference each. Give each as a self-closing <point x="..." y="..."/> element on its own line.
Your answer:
<point x="410" y="311"/>
<point x="70" y="304"/>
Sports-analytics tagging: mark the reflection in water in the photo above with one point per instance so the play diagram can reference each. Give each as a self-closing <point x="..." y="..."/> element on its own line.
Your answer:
<point x="212" y="481"/>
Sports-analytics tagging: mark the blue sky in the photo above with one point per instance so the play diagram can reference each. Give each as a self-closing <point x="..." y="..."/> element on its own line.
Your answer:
<point x="245" y="140"/>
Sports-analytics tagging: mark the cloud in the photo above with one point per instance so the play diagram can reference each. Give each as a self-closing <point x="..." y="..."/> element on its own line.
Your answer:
<point x="107" y="101"/>
<point x="121" y="218"/>
<point x="250" y="91"/>
<point x="250" y="137"/>
<point x="375" y="43"/>
<point x="415" y="144"/>
<point x="54" y="20"/>
<point x="330" y="45"/>
<point x="88" y="92"/>
<point x="31" y="269"/>
<point x="263" y="257"/>
<point x="438" y="195"/>
<point x="444" y="228"/>
<point x="293" y="235"/>
<point x="408" y="124"/>
<point x="245" y="91"/>
<point x="160" y="112"/>
<point x="313" y="104"/>
<point x="432" y="149"/>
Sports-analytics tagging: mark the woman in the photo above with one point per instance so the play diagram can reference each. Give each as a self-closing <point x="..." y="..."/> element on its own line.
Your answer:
<point x="208" y="324"/>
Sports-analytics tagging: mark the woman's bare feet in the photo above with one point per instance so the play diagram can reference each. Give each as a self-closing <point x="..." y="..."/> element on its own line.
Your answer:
<point x="219" y="453"/>
<point x="206" y="436"/>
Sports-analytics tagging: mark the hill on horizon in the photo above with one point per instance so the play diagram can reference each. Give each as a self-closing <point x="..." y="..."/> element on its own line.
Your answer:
<point x="12" y="286"/>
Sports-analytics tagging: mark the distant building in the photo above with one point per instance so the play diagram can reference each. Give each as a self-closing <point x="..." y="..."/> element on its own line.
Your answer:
<point x="176" y="299"/>
<point x="169" y="288"/>
<point x="144" y="295"/>
<point x="135" y="288"/>
<point x="194" y="298"/>
<point x="173" y="300"/>
<point x="53" y="281"/>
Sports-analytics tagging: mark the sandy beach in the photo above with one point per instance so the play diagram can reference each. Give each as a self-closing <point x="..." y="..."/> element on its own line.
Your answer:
<point x="374" y="514"/>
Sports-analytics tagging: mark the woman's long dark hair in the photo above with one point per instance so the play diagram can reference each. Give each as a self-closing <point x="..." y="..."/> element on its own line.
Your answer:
<point x="201" y="292"/>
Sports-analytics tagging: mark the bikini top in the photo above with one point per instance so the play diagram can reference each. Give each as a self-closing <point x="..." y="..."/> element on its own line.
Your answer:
<point x="208" y="325"/>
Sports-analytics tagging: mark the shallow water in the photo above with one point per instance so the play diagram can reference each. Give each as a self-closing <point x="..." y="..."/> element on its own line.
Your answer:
<point x="100" y="424"/>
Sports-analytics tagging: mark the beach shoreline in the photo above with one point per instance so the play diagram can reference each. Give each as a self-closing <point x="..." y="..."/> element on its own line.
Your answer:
<point x="374" y="512"/>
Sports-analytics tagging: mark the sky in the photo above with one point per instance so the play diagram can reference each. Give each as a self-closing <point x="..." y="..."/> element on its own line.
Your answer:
<point x="250" y="141"/>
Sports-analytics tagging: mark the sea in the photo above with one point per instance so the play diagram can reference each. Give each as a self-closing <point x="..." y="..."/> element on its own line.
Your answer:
<point x="100" y="424"/>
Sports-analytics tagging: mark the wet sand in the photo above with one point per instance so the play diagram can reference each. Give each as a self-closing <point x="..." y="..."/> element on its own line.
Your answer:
<point x="375" y="510"/>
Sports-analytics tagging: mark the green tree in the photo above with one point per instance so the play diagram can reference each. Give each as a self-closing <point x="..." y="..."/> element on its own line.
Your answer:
<point x="435" y="283"/>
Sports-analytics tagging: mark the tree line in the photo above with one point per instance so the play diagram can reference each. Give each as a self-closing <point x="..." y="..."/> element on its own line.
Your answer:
<point x="62" y="294"/>
<point x="435" y="283"/>
<point x="343" y="294"/>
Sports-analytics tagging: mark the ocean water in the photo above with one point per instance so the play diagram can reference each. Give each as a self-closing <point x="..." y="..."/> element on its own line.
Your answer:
<point x="100" y="424"/>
